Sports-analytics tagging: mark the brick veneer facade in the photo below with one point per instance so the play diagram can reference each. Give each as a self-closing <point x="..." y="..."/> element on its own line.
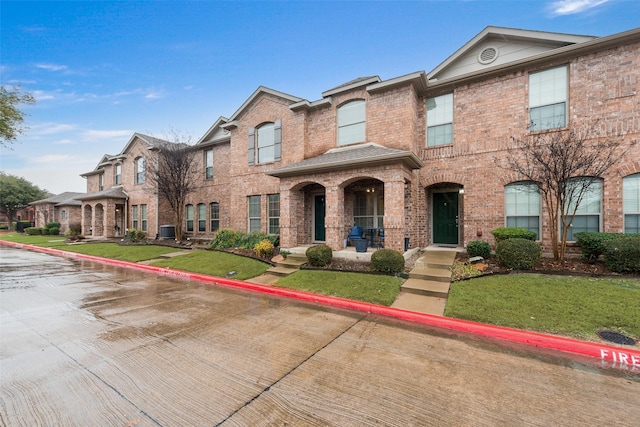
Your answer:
<point x="489" y="108"/>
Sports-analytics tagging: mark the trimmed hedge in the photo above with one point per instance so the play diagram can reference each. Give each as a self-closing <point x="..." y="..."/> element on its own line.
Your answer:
<point x="319" y="255"/>
<point x="387" y="261"/>
<point x="33" y="231"/>
<point x="134" y="235"/>
<point x="505" y="233"/>
<point x="622" y="255"/>
<point x="518" y="254"/>
<point x="479" y="248"/>
<point x="54" y="231"/>
<point x="591" y="243"/>
<point x="51" y="225"/>
<point x="226" y="238"/>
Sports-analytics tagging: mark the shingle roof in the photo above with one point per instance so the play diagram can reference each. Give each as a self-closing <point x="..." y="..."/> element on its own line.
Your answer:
<point x="63" y="199"/>
<point x="111" y="193"/>
<point x="349" y="157"/>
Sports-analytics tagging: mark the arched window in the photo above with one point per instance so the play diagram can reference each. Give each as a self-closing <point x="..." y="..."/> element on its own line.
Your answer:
<point x="265" y="143"/>
<point x="140" y="170"/>
<point x="522" y="206"/>
<point x="202" y="217"/>
<point x="351" y="122"/>
<point x="214" y="211"/>
<point x="631" y="203"/>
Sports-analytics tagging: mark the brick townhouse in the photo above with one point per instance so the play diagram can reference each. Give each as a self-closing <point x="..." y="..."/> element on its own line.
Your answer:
<point x="413" y="158"/>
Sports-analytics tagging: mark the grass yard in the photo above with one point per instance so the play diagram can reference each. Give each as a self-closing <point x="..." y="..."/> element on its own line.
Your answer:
<point x="564" y="305"/>
<point x="215" y="263"/>
<point x="372" y="288"/>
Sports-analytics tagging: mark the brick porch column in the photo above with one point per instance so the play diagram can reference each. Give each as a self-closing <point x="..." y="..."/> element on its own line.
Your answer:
<point x="334" y="218"/>
<point x="394" y="215"/>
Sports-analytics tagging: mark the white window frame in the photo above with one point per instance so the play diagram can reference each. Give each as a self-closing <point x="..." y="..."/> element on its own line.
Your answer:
<point x="522" y="200"/>
<point x="189" y="217"/>
<point x="592" y="196"/>
<point x="202" y="218"/>
<point x="208" y="164"/>
<point x="134" y="217"/>
<point x="266" y="142"/>
<point x="548" y="92"/>
<point x="631" y="203"/>
<point x="371" y="214"/>
<point x="214" y="215"/>
<point x="273" y="213"/>
<point x="140" y="168"/>
<point x="143" y="217"/>
<point x="352" y="120"/>
<point x="117" y="179"/>
<point x="440" y="120"/>
<point x="101" y="182"/>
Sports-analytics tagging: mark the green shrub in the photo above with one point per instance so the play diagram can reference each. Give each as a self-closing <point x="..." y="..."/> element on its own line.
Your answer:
<point x="622" y="255"/>
<point x="387" y="261"/>
<point x="591" y="243"/>
<point x="225" y="238"/>
<point x="479" y="248"/>
<point x="264" y="248"/>
<point x="248" y="241"/>
<point x="519" y="254"/>
<point x="44" y="231"/>
<point x="51" y="225"/>
<point x="319" y="255"/>
<point x="4" y="226"/>
<point x="54" y="231"/>
<point x="505" y="233"/>
<point x="33" y="231"/>
<point x="134" y="235"/>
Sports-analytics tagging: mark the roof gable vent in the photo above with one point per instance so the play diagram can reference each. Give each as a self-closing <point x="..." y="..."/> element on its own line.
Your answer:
<point x="488" y="55"/>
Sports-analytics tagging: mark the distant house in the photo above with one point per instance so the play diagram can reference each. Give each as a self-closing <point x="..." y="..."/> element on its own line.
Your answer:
<point x="64" y="208"/>
<point x="412" y="158"/>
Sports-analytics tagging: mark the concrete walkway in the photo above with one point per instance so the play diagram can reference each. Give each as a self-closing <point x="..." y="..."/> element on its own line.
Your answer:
<point x="427" y="288"/>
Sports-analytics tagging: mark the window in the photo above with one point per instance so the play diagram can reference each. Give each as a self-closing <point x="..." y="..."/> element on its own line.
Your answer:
<point x="143" y="217"/>
<point x="440" y="120"/>
<point x="208" y="164"/>
<point x="274" y="214"/>
<point x="368" y="208"/>
<point x="351" y="122"/>
<point x="202" y="217"/>
<point x="522" y="206"/>
<point x="267" y="141"/>
<point x="631" y="203"/>
<point x="118" y="176"/>
<point x="140" y="166"/>
<point x="254" y="213"/>
<point x="587" y="217"/>
<point x="214" y="211"/>
<point x="189" y="217"/>
<point x="134" y="217"/>
<point x="101" y="182"/>
<point x="63" y="215"/>
<point x="548" y="99"/>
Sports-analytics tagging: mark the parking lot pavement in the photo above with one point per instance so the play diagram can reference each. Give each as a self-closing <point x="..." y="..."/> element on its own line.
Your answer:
<point x="88" y="344"/>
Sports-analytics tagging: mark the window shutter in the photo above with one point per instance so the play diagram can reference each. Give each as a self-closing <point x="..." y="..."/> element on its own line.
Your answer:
<point x="277" y="140"/>
<point x="252" y="146"/>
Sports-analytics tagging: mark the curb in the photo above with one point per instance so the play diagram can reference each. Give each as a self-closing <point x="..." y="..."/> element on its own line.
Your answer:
<point x="610" y="356"/>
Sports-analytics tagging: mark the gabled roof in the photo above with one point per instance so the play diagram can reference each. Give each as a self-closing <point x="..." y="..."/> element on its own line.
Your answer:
<point x="349" y="157"/>
<point x="353" y="84"/>
<point x="63" y="199"/>
<point x="258" y="92"/>
<point x="505" y="45"/>
<point x="111" y="193"/>
<point x="216" y="133"/>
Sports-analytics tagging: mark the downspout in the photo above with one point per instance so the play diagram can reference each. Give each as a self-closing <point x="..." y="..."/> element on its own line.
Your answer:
<point x="125" y="212"/>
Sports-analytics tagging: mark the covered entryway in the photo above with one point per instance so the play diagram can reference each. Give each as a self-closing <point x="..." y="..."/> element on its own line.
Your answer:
<point x="446" y="212"/>
<point x="319" y="212"/>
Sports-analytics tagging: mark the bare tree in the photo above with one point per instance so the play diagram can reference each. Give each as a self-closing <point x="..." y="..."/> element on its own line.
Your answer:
<point x="173" y="173"/>
<point x="564" y="164"/>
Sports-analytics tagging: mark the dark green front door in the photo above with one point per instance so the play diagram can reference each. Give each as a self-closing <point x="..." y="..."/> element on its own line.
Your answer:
<point x="318" y="223"/>
<point x="445" y="218"/>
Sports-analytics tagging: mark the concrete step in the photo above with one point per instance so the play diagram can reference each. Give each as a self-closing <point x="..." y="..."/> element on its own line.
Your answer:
<point x="292" y="262"/>
<point x="281" y="271"/>
<point x="426" y="287"/>
<point x="420" y="303"/>
<point x="436" y="259"/>
<point x="430" y="273"/>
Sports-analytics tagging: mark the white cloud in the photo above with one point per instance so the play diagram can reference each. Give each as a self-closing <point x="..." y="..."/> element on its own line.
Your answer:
<point x="101" y="134"/>
<point x="154" y="95"/>
<point x="65" y="141"/>
<point x="51" y="128"/>
<point x="570" y="7"/>
<point x="51" y="158"/>
<point x="41" y="95"/>
<point x="52" y="67"/>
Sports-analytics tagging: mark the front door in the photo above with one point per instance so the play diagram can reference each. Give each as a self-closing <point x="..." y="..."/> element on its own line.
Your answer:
<point x="318" y="222"/>
<point x="445" y="218"/>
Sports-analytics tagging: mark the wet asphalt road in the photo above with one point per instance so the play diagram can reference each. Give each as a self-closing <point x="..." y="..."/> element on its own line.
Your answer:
<point x="84" y="344"/>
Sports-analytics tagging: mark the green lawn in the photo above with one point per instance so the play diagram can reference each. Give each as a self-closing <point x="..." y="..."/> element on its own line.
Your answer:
<point x="371" y="288"/>
<point x="564" y="305"/>
<point x="215" y="263"/>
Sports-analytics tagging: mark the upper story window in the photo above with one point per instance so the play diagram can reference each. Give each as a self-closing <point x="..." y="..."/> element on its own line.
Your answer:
<point x="118" y="174"/>
<point x="140" y="170"/>
<point x="208" y="164"/>
<point x="522" y="206"/>
<point x="265" y="143"/>
<point x="548" y="99"/>
<point x="631" y="203"/>
<point x="101" y="182"/>
<point x="351" y="122"/>
<point x="440" y="120"/>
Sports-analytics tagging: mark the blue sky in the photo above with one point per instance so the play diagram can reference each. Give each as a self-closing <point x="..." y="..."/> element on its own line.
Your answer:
<point x="102" y="70"/>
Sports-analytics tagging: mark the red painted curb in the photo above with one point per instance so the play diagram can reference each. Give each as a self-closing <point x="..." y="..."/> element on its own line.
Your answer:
<point x="616" y="357"/>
